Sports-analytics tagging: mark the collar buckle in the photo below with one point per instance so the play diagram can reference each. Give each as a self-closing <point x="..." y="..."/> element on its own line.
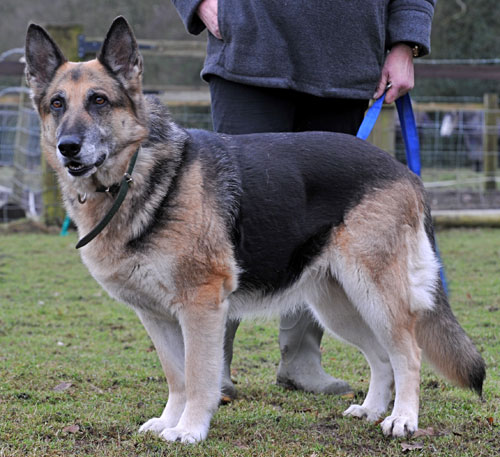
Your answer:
<point x="128" y="178"/>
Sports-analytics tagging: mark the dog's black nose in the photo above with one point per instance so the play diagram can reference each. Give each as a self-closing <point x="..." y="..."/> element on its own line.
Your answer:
<point x="69" y="145"/>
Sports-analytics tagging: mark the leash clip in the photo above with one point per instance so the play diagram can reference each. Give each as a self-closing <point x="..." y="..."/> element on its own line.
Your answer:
<point x="128" y="178"/>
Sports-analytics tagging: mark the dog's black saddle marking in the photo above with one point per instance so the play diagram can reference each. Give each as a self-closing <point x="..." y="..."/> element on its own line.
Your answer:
<point x="293" y="189"/>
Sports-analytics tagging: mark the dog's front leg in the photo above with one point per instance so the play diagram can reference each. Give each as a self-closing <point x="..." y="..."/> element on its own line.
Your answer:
<point x="167" y="338"/>
<point x="203" y="330"/>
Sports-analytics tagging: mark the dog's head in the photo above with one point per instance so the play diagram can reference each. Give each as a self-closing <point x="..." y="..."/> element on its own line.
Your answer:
<point x="90" y="111"/>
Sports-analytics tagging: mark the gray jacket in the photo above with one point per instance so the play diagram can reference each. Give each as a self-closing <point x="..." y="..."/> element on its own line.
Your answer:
<point x="331" y="48"/>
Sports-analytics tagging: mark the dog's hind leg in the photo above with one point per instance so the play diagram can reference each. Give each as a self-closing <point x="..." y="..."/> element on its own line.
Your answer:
<point x="385" y="307"/>
<point x="405" y="355"/>
<point x="167" y="338"/>
<point x="339" y="316"/>
<point x="386" y="265"/>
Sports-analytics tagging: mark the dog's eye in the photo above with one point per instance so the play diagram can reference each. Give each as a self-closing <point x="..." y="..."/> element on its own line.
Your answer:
<point x="56" y="103"/>
<point x="99" y="100"/>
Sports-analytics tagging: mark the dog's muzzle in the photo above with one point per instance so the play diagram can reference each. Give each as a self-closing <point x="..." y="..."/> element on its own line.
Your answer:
<point x="69" y="147"/>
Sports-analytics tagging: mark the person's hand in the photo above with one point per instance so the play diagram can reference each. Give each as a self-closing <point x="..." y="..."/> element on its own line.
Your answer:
<point x="398" y="72"/>
<point x="207" y="12"/>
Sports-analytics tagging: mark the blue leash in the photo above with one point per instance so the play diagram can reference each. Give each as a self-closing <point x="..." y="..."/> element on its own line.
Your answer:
<point x="408" y="128"/>
<point x="410" y="134"/>
<point x="370" y="118"/>
<point x="412" y="144"/>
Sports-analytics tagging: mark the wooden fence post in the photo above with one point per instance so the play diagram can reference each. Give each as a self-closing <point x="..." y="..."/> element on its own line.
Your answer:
<point x="66" y="36"/>
<point x="490" y="140"/>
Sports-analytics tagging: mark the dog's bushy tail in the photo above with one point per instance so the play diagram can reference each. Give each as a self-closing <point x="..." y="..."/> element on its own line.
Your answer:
<point x="447" y="347"/>
<point x="444" y="342"/>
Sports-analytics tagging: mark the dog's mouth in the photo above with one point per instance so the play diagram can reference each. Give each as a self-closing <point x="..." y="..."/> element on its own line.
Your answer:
<point x="77" y="169"/>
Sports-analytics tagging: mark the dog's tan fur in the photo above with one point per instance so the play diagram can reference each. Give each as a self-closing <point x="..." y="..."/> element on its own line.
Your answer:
<point x="374" y="285"/>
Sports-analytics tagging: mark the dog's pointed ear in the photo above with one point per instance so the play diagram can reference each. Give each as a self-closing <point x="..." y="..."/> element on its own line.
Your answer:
<point x="120" y="53"/>
<point x="43" y="58"/>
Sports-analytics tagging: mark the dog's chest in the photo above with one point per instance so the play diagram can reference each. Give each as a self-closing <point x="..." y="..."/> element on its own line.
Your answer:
<point x="139" y="281"/>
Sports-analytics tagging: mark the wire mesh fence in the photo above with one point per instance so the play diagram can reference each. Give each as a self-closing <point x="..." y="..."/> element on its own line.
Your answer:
<point x="27" y="178"/>
<point x="20" y="161"/>
<point x="8" y="127"/>
<point x="455" y="146"/>
<point x="459" y="154"/>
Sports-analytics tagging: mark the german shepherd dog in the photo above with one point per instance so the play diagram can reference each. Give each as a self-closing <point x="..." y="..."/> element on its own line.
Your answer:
<point x="216" y="226"/>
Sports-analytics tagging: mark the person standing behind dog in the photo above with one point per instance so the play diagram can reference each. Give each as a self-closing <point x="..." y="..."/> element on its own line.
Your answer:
<point x="299" y="66"/>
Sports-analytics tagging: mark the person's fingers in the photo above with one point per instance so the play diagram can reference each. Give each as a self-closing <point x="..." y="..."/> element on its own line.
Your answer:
<point x="398" y="89"/>
<point x="392" y="94"/>
<point x="207" y="12"/>
<point x="381" y="86"/>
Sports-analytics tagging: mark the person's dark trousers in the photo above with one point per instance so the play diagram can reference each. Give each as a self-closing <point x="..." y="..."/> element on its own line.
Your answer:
<point x="240" y="109"/>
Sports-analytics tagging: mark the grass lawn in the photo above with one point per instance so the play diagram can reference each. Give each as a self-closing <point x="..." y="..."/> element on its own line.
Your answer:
<point x="78" y="374"/>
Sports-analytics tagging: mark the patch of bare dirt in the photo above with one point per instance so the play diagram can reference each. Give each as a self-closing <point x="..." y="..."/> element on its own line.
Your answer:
<point x="27" y="226"/>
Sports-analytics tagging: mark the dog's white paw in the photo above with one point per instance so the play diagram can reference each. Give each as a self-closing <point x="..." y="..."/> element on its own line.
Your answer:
<point x="155" y="425"/>
<point x="399" y="426"/>
<point x="183" y="435"/>
<point x="362" y="412"/>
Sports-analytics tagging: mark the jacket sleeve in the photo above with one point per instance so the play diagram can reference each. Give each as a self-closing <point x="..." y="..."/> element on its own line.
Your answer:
<point x="187" y="12"/>
<point x="410" y="21"/>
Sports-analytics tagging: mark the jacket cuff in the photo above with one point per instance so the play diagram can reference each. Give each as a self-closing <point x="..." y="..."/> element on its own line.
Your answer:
<point x="411" y="25"/>
<point x="187" y="11"/>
